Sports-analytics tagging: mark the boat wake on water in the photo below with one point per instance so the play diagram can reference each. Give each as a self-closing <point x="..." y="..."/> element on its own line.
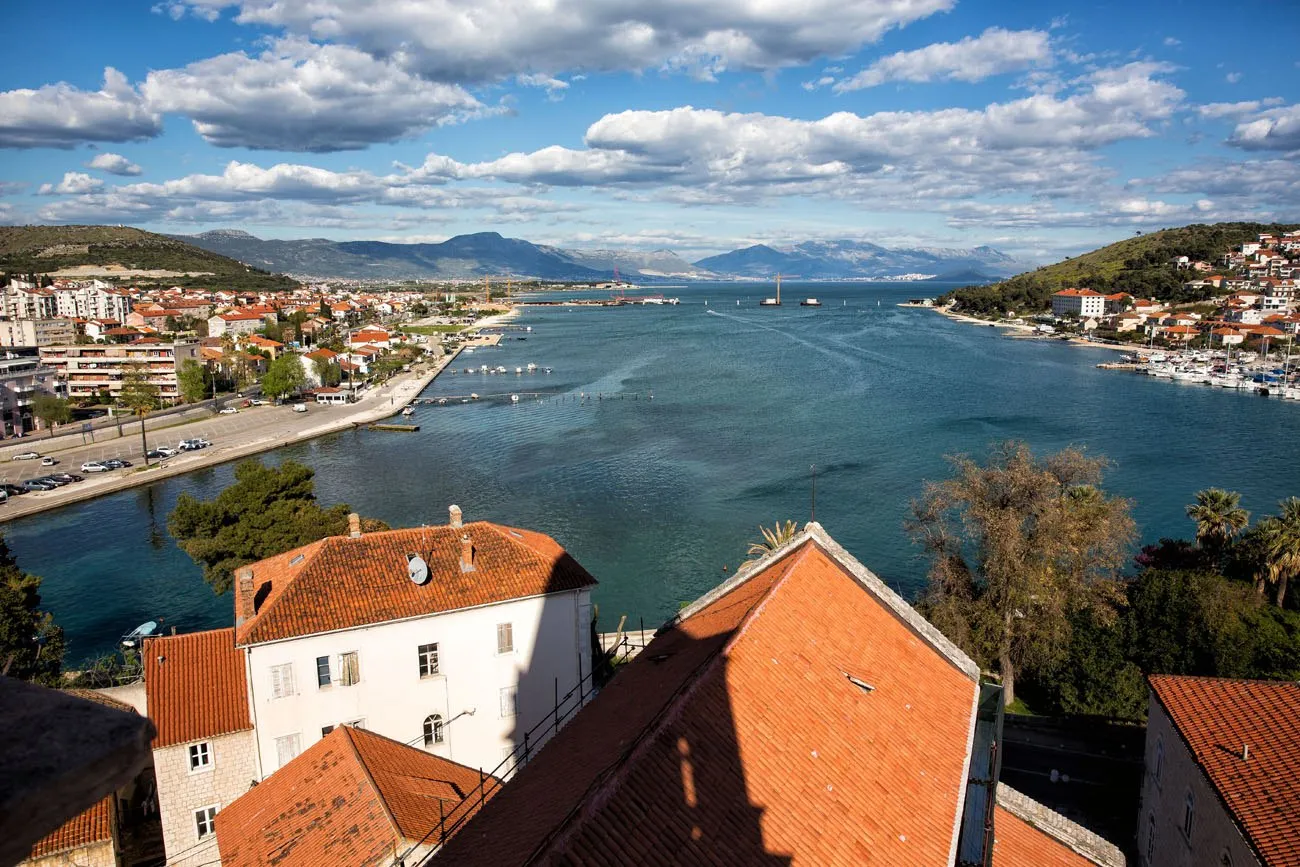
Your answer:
<point x="846" y="355"/>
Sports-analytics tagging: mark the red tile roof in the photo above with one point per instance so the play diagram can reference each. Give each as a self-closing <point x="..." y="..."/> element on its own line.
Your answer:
<point x="738" y="737"/>
<point x="341" y="582"/>
<point x="195" y="686"/>
<point x="93" y="826"/>
<point x="1080" y="293"/>
<point x="1016" y="843"/>
<point x="353" y="798"/>
<point x="1216" y="718"/>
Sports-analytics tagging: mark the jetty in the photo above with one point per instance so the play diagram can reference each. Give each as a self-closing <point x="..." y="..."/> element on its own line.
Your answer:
<point x="400" y="428"/>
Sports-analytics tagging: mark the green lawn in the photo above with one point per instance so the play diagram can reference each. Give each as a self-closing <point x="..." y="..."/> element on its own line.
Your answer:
<point x="432" y="329"/>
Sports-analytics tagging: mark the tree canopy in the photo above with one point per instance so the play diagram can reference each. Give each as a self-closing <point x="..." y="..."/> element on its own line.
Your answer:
<point x="31" y="645"/>
<point x="51" y="409"/>
<point x="284" y="376"/>
<point x="194" y="380"/>
<point x="267" y="511"/>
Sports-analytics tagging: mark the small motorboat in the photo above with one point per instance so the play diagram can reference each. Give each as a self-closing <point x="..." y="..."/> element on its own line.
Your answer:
<point x="135" y="638"/>
<point x="810" y="302"/>
<point x="408" y="412"/>
<point x="442" y="401"/>
<point x="518" y="371"/>
<point x="531" y="367"/>
<point x="473" y="396"/>
<point x="514" y="398"/>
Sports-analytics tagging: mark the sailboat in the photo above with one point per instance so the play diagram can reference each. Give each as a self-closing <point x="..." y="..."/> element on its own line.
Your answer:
<point x="773" y="302"/>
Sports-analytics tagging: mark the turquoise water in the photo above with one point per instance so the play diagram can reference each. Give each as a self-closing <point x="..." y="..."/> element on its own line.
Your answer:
<point x="656" y="497"/>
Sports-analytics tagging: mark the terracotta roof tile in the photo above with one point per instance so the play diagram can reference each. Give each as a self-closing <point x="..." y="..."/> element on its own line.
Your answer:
<point x="93" y="826"/>
<point x="737" y="737"/>
<point x="195" y="686"/>
<point x="353" y="798"/>
<point x="342" y="582"/>
<point x="1016" y="843"/>
<point x="1216" y="718"/>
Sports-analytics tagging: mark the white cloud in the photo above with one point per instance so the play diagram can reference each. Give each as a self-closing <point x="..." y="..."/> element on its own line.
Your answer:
<point x="1216" y="110"/>
<point x="114" y="164"/>
<point x="484" y="40"/>
<point x="73" y="184"/>
<point x="62" y="116"/>
<point x="1172" y="41"/>
<point x="993" y="52"/>
<point x="300" y="96"/>
<point x="1232" y="77"/>
<point x="1275" y="129"/>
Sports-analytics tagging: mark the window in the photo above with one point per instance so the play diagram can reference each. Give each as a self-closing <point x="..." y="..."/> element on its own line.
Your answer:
<point x="204" y="821"/>
<point x="286" y="749"/>
<point x="509" y="701"/>
<point x="324" y="730"/>
<point x="505" y="638"/>
<point x="1160" y="760"/>
<point x="200" y="757"/>
<point x="349" y="669"/>
<point x="322" y="671"/>
<point x="282" y="680"/>
<point x="428" y="660"/>
<point x="433" y="729"/>
<point x="1189" y="814"/>
<point x="1151" y="839"/>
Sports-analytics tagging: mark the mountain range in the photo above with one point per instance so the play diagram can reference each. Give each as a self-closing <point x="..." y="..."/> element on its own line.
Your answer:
<point x="490" y="254"/>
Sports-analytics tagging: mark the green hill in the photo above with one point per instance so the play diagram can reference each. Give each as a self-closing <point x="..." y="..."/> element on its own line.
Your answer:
<point x="1138" y="265"/>
<point x="46" y="249"/>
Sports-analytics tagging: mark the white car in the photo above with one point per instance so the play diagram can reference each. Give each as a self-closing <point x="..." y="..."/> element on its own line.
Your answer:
<point x="228" y="410"/>
<point x="27" y="456"/>
<point x="166" y="451"/>
<point x="94" y="467"/>
<point x="49" y="462"/>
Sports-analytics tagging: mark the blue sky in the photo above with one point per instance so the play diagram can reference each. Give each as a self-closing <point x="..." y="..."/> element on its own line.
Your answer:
<point x="694" y="125"/>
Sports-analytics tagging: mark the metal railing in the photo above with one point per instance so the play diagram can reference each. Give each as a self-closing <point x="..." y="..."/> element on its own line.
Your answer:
<point x="566" y="706"/>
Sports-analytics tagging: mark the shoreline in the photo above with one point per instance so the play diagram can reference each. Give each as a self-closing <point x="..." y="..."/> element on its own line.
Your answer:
<point x="1031" y="335"/>
<point x="373" y="407"/>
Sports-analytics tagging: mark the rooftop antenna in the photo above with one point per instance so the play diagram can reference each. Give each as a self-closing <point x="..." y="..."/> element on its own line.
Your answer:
<point x="813" y="518"/>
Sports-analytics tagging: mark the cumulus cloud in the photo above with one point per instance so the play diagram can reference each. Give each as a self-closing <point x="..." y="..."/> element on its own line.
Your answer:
<point x="993" y="52"/>
<point x="1232" y="77"/>
<point x="484" y="40"/>
<point x="73" y="184"/>
<point x="300" y="96"/>
<point x="63" y="116"/>
<point x="1275" y="129"/>
<point x="114" y="164"/>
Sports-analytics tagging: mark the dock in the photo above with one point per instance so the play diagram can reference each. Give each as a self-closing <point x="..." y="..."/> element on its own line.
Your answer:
<point x="400" y="428"/>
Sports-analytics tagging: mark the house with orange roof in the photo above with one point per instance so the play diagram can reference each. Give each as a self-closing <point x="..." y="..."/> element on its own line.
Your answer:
<point x="1228" y="336"/>
<point x="370" y="797"/>
<point x="237" y="322"/>
<point x="1178" y="333"/>
<point x="89" y="839"/>
<point x="1222" y="773"/>
<point x="1083" y="303"/>
<point x="800" y="713"/>
<point x="204" y="753"/>
<point x="266" y="344"/>
<point x="458" y="638"/>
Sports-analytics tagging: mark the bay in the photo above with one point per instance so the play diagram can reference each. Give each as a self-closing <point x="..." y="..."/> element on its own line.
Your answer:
<point x="659" y="497"/>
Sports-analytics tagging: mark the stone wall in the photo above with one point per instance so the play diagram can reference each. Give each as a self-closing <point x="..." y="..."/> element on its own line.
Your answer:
<point x="95" y="855"/>
<point x="180" y="793"/>
<point x="1215" y="840"/>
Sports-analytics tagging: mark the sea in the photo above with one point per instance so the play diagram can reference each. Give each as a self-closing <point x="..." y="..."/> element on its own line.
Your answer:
<point x="664" y="436"/>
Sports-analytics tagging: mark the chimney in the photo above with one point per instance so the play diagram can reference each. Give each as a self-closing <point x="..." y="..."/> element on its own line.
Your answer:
<point x="454" y="512"/>
<point x="244" y="587"/>
<point x="354" y="525"/>
<point x="466" y="554"/>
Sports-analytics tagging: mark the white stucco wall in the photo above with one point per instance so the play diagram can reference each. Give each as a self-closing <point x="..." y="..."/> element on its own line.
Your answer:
<point x="181" y="792"/>
<point x="551" y="640"/>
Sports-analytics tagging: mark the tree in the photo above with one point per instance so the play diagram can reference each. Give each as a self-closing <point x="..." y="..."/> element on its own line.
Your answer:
<point x="141" y="397"/>
<point x="772" y="539"/>
<point x="52" y="410"/>
<point x="31" y="645"/>
<point x="267" y="511"/>
<point x="284" y="376"/>
<point x="194" y="380"/>
<point x="1280" y="537"/>
<point x="1017" y="547"/>
<point x="1219" y="518"/>
<point x="329" y="373"/>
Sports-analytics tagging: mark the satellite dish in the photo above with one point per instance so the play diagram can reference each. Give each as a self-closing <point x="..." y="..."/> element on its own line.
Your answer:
<point x="417" y="569"/>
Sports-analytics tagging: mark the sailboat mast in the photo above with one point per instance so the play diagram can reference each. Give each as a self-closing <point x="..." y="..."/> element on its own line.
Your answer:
<point x="778" y="289"/>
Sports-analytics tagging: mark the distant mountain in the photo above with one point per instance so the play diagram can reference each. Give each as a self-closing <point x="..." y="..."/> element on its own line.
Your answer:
<point x="848" y="260"/>
<point x="488" y="253"/>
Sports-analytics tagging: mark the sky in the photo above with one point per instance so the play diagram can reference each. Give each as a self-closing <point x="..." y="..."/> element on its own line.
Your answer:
<point x="698" y="126"/>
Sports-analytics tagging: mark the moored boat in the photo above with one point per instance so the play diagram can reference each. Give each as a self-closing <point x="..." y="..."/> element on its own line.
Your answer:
<point x="810" y="302"/>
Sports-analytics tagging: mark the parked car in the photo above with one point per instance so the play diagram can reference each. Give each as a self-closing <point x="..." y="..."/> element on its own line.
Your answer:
<point x="228" y="410"/>
<point x="116" y="463"/>
<point x="257" y="401"/>
<point x="246" y="403"/>
<point x="67" y="478"/>
<point x="166" y="452"/>
<point x="154" y="454"/>
<point x="27" y="456"/>
<point x="95" y="467"/>
<point x="300" y="407"/>
<point x="50" y="480"/>
<point x="38" y="485"/>
<point x="49" y="462"/>
<point x="12" y="490"/>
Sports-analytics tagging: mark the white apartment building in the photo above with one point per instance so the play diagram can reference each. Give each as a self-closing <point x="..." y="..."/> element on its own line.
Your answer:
<point x="24" y="301"/>
<point x="1083" y="303"/>
<point x="88" y="370"/>
<point x="21" y="379"/>
<point x="456" y="639"/>
<point x="204" y="755"/>
<point x="95" y="300"/>
<point x="36" y="332"/>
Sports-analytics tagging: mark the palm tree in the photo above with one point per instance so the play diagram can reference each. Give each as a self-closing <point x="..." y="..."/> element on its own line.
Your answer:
<point x="1281" y="538"/>
<point x="1219" y="518"/>
<point x="772" y="539"/>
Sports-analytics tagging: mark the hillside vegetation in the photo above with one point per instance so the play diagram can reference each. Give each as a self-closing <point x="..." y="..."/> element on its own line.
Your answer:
<point x="43" y="249"/>
<point x="1138" y="265"/>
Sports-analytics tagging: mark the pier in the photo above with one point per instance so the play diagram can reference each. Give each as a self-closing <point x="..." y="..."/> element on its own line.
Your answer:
<point x="557" y="396"/>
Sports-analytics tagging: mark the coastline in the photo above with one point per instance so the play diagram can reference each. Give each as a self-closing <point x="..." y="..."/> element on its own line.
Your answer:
<point x="1027" y="332"/>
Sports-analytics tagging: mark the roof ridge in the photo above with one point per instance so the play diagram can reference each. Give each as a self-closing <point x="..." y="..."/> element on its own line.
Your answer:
<point x="611" y="777"/>
<point x="1044" y="819"/>
<point x="350" y="731"/>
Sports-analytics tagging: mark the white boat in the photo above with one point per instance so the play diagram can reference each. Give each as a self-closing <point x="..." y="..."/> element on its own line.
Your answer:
<point x="442" y="401"/>
<point x="518" y="370"/>
<point x="473" y="396"/>
<point x="810" y="302"/>
<point x="135" y="638"/>
<point x="514" y="398"/>
<point x="501" y="368"/>
<point x="483" y="369"/>
<point x="408" y="412"/>
<point x="531" y="367"/>
<point x="469" y="350"/>
<point x="773" y="302"/>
